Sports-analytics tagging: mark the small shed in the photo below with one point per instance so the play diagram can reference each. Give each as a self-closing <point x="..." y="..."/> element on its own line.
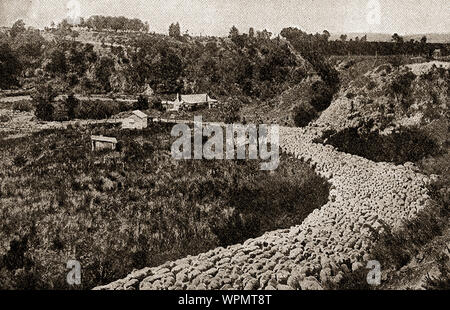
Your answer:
<point x="102" y="143"/>
<point x="137" y="120"/>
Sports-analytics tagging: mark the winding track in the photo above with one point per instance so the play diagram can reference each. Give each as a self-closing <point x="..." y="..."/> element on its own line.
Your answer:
<point x="330" y="242"/>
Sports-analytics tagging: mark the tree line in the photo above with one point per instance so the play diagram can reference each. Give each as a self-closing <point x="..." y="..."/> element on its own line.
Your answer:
<point x="113" y="23"/>
<point x="360" y="46"/>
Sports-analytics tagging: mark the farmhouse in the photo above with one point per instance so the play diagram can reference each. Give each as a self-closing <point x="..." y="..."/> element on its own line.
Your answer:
<point x="101" y="143"/>
<point x="172" y="106"/>
<point x="137" y="120"/>
<point x="190" y="102"/>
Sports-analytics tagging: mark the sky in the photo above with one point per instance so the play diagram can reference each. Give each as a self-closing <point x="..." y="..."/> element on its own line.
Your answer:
<point x="215" y="17"/>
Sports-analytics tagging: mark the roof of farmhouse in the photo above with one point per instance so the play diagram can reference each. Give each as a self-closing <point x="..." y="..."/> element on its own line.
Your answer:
<point x="104" y="139"/>
<point x="196" y="98"/>
<point x="140" y="114"/>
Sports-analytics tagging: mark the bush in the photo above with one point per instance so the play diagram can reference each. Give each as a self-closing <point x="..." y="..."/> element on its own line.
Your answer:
<point x="43" y="97"/>
<point x="19" y="161"/>
<point x="22" y="106"/>
<point x="156" y="103"/>
<point x="303" y="116"/>
<point x="4" y="118"/>
<point x="400" y="87"/>
<point x="395" y="61"/>
<point x="408" y="144"/>
<point x="441" y="282"/>
<point x="71" y="103"/>
<point x="322" y="96"/>
<point x="141" y="104"/>
<point x="96" y="109"/>
<point x="371" y="85"/>
<point x="44" y="111"/>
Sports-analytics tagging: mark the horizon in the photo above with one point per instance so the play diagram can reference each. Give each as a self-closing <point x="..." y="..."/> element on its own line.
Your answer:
<point x="216" y="17"/>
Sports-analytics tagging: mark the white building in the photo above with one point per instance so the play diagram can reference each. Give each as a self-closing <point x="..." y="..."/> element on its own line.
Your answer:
<point x="190" y="102"/>
<point x="137" y="120"/>
<point x="101" y="143"/>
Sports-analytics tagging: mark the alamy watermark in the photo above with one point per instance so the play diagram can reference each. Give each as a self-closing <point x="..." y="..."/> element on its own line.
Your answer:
<point x="239" y="140"/>
<point x="374" y="275"/>
<point x="373" y="16"/>
<point x="74" y="275"/>
<point x="73" y="12"/>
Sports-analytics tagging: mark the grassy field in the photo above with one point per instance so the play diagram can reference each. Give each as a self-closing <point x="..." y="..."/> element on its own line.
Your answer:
<point x="131" y="208"/>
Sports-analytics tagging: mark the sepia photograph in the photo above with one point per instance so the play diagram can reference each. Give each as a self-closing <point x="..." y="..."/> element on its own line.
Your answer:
<point x="208" y="146"/>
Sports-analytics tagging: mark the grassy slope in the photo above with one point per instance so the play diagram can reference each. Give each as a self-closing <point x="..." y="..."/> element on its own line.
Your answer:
<point x="416" y="257"/>
<point x="116" y="211"/>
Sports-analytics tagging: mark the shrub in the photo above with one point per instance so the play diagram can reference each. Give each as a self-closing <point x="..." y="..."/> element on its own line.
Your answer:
<point x="408" y="144"/>
<point x="4" y="118"/>
<point x="71" y="103"/>
<point x="96" y="109"/>
<point x="302" y="116"/>
<point x="19" y="161"/>
<point x="395" y="61"/>
<point x="322" y="96"/>
<point x="441" y="282"/>
<point x="141" y="104"/>
<point x="371" y="85"/>
<point x="43" y="97"/>
<point x="156" y="103"/>
<point x="400" y="87"/>
<point x="23" y="106"/>
<point x="44" y="111"/>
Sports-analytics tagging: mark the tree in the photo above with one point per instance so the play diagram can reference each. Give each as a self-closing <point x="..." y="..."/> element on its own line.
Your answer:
<point x="74" y="35"/>
<point x="44" y="111"/>
<point x="322" y="95"/>
<point x="170" y="72"/>
<point x="251" y="32"/>
<point x="326" y="35"/>
<point x="142" y="103"/>
<point x="145" y="27"/>
<point x="234" y="32"/>
<point x="395" y="61"/>
<point x="71" y="103"/>
<point x="57" y="63"/>
<point x="156" y="104"/>
<point x="397" y="39"/>
<point x="174" y="30"/>
<point x="103" y="71"/>
<point x="43" y="97"/>
<point x="17" y="28"/>
<point x="263" y="35"/>
<point x="9" y="67"/>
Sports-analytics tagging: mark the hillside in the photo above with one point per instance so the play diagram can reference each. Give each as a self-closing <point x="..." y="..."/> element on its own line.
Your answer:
<point x="130" y="63"/>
